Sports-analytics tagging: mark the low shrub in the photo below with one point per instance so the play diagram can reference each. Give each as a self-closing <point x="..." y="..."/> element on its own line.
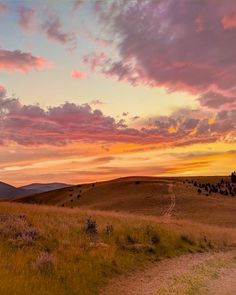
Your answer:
<point x="109" y="229"/>
<point x="18" y="231"/>
<point x="45" y="263"/>
<point x="91" y="226"/>
<point x="187" y="239"/>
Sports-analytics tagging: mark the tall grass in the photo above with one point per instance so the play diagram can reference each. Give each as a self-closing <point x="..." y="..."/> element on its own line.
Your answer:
<point x="46" y="250"/>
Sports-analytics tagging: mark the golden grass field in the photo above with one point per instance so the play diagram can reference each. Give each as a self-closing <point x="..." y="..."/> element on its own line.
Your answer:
<point x="149" y="197"/>
<point x="46" y="249"/>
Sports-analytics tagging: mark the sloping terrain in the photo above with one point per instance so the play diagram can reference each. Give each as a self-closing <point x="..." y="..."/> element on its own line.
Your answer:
<point x="133" y="194"/>
<point x="56" y="251"/>
<point x="146" y="195"/>
<point x="135" y="223"/>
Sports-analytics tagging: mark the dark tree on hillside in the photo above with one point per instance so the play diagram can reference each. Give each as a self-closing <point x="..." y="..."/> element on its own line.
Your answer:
<point x="233" y="177"/>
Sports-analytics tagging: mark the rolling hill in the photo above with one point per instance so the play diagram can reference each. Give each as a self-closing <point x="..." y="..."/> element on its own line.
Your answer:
<point x="116" y="227"/>
<point x="118" y="194"/>
<point x="145" y="195"/>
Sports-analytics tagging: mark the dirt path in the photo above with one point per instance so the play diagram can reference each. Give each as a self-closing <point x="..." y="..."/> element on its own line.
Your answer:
<point x="170" y="209"/>
<point x="224" y="284"/>
<point x="203" y="274"/>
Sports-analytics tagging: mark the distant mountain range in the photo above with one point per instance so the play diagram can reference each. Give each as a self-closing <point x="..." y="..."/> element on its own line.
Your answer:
<point x="8" y="191"/>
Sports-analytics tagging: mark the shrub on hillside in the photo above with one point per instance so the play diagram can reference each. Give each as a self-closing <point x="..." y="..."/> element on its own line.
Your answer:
<point x="130" y="239"/>
<point x="18" y="230"/>
<point x="109" y="229"/>
<point x="187" y="239"/>
<point x="91" y="226"/>
<point x="45" y="262"/>
<point x="151" y="233"/>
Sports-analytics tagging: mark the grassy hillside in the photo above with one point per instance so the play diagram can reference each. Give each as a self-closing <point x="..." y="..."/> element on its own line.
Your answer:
<point x="50" y="250"/>
<point x="146" y="195"/>
<point x="214" y="209"/>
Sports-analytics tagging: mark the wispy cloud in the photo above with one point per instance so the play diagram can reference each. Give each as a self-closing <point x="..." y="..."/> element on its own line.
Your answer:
<point x="216" y="100"/>
<point x="3" y="8"/>
<point x="21" y="61"/>
<point x="52" y="27"/>
<point x="26" y="18"/>
<point x="3" y="92"/>
<point x="97" y="102"/>
<point x="77" y="4"/>
<point x="45" y="21"/>
<point x="94" y="60"/>
<point x="78" y="75"/>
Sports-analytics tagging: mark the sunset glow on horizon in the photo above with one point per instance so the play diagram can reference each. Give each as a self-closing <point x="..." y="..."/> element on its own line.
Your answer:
<point x="94" y="90"/>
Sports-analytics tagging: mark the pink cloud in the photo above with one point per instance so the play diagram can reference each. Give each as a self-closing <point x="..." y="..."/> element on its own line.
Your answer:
<point x="178" y="45"/>
<point x="198" y="24"/>
<point x="98" y="40"/>
<point x="77" y="4"/>
<point x="97" y="102"/>
<point x="215" y="100"/>
<point x="47" y="23"/>
<point x="26" y="16"/>
<point x="229" y="21"/>
<point x="94" y="60"/>
<point x="78" y="75"/>
<point x="3" y="8"/>
<point x="21" y="61"/>
<point x="52" y="27"/>
<point x="2" y="92"/>
<point x="60" y="125"/>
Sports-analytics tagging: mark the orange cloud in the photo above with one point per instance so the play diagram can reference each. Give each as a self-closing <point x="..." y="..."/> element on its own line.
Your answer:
<point x="229" y="21"/>
<point x="89" y="169"/>
<point x="172" y="129"/>
<point x="78" y="75"/>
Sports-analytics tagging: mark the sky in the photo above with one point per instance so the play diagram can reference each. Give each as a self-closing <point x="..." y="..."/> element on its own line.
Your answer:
<point x="97" y="89"/>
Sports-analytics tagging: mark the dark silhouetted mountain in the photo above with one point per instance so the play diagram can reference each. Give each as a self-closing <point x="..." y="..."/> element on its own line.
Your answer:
<point x="10" y="192"/>
<point x="44" y="187"/>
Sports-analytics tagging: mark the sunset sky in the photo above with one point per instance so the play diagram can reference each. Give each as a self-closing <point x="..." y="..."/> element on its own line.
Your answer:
<point x="93" y="90"/>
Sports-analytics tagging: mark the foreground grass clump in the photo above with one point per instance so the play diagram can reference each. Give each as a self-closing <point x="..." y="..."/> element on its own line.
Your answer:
<point x="49" y="250"/>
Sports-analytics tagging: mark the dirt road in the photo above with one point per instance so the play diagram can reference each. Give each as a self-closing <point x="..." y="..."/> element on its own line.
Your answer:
<point x="170" y="209"/>
<point x="200" y="274"/>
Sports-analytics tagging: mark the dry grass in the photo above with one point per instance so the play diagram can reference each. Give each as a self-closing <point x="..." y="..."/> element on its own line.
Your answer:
<point x="69" y="255"/>
<point x="46" y="250"/>
<point x="146" y="196"/>
<point x="212" y="210"/>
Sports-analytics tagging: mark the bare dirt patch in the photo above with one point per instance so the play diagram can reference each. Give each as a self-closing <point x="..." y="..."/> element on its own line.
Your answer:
<point x="179" y="275"/>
